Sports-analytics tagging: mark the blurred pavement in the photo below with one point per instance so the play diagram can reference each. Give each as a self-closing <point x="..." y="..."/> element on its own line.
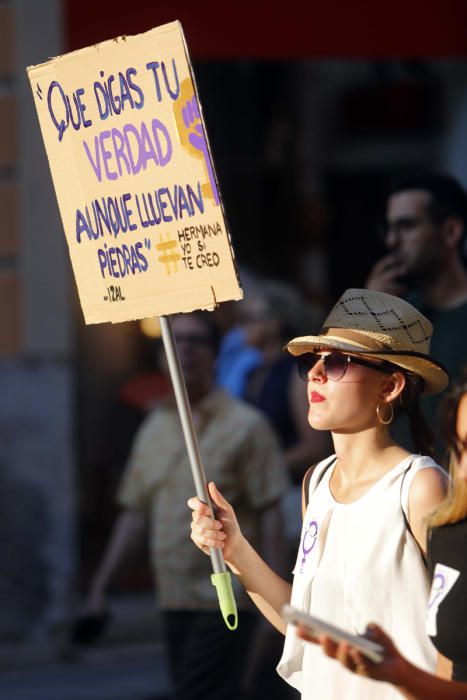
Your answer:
<point x="127" y="663"/>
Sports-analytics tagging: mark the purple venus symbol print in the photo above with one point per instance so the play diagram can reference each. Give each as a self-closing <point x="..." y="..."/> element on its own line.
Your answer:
<point x="192" y="121"/>
<point x="310" y="536"/>
<point x="437" y="589"/>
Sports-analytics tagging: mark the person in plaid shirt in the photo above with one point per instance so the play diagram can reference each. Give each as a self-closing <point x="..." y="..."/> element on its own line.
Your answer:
<point x="241" y="454"/>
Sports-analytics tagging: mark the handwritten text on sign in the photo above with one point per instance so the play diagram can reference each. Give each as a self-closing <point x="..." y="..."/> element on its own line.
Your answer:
<point x="134" y="177"/>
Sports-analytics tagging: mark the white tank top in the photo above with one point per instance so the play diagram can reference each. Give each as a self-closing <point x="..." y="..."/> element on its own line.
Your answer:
<point x="358" y="563"/>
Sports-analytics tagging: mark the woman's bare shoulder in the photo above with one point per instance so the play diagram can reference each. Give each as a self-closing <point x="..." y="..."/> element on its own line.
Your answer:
<point x="429" y="486"/>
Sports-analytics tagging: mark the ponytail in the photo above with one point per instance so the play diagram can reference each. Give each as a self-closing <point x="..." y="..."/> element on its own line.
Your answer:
<point x="421" y="432"/>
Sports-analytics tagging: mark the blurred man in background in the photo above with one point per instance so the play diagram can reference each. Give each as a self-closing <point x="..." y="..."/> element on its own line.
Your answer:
<point x="241" y="455"/>
<point x="425" y="233"/>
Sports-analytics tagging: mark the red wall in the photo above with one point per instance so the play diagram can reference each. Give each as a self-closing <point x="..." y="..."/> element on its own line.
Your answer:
<point x="273" y="30"/>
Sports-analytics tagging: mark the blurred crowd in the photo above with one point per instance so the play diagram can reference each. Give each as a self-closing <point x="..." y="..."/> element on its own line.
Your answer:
<point x="250" y="414"/>
<point x="329" y="404"/>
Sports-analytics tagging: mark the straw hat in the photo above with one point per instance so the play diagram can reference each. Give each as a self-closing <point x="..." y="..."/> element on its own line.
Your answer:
<point x="383" y="326"/>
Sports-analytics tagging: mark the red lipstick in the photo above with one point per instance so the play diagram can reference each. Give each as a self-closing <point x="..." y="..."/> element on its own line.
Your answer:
<point x="316" y="398"/>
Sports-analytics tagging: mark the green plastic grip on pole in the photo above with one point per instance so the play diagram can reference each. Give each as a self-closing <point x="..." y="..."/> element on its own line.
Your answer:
<point x="228" y="606"/>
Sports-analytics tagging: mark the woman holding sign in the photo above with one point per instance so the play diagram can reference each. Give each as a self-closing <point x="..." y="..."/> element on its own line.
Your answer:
<point x="447" y="607"/>
<point x="363" y="536"/>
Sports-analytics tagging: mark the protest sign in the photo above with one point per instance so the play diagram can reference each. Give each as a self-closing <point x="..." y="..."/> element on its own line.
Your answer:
<point x="134" y="177"/>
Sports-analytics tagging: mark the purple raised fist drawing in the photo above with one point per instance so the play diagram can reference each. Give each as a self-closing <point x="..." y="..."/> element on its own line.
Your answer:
<point x="192" y="121"/>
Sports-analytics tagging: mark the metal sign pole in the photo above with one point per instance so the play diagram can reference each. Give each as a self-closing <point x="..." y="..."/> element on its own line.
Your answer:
<point x="221" y="577"/>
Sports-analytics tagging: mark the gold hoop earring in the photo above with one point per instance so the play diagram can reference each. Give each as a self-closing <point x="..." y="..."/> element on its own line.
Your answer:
<point x="385" y="421"/>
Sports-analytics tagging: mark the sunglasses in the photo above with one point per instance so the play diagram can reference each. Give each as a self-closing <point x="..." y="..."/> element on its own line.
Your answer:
<point x="335" y="364"/>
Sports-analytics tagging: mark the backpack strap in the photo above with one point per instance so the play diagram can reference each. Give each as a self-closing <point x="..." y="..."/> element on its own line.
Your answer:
<point x="306" y="488"/>
<point x="324" y="466"/>
<point x="404" y="495"/>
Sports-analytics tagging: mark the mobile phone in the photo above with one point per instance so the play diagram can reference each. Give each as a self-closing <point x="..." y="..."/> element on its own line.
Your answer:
<point x="293" y="616"/>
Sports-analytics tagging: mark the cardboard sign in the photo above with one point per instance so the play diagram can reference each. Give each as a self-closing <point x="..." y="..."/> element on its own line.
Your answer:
<point x="134" y="178"/>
